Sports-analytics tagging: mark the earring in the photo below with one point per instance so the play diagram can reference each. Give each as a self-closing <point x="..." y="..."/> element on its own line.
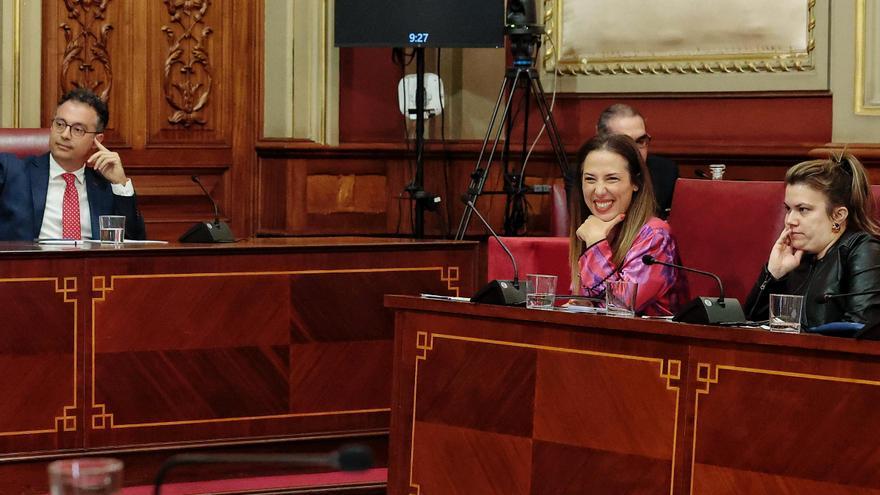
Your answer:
<point x="835" y="228"/>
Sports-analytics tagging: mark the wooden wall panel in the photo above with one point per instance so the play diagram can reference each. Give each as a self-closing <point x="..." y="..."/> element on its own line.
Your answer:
<point x="284" y="171"/>
<point x="188" y="72"/>
<point x="179" y="81"/>
<point x="88" y="44"/>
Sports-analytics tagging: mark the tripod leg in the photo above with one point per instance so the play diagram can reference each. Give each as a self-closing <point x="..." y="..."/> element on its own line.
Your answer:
<point x="479" y="176"/>
<point x="552" y="130"/>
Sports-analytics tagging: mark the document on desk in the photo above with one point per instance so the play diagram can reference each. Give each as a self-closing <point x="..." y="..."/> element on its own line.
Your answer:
<point x="127" y="242"/>
<point x="439" y="297"/>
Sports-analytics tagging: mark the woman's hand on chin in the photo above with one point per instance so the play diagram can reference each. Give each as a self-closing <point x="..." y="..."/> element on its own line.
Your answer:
<point x="783" y="257"/>
<point x="594" y="229"/>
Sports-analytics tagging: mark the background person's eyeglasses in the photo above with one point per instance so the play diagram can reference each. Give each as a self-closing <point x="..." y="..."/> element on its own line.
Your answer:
<point x="76" y="130"/>
<point x="643" y="140"/>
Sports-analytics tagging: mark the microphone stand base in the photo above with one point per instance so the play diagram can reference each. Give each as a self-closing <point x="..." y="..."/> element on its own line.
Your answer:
<point x="502" y="293"/>
<point x="208" y="232"/>
<point x="707" y="311"/>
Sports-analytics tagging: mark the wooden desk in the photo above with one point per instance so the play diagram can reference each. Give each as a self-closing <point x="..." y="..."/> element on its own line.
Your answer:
<point x="158" y="347"/>
<point x="494" y="400"/>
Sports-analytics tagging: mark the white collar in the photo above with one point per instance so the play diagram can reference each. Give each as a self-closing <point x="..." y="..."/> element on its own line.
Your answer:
<point x="56" y="171"/>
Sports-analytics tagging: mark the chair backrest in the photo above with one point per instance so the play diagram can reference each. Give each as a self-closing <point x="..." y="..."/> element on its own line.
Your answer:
<point x="558" y="210"/>
<point x="546" y="255"/>
<point x="724" y="227"/>
<point x="727" y="228"/>
<point x="24" y="142"/>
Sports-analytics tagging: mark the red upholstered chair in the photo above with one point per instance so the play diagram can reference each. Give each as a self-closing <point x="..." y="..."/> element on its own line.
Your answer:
<point x="727" y="228"/>
<point x="24" y="142"/>
<point x="547" y="255"/>
<point x="558" y="210"/>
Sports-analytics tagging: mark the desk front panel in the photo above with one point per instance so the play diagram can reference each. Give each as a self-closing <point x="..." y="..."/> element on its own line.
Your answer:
<point x="138" y="349"/>
<point x="497" y="400"/>
<point x="525" y="408"/>
<point x="795" y="422"/>
<point x="41" y="355"/>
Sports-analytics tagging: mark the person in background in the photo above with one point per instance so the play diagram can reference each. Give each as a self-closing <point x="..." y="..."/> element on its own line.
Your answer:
<point x="62" y="193"/>
<point x="828" y="245"/>
<point x="624" y="119"/>
<point x="614" y="224"/>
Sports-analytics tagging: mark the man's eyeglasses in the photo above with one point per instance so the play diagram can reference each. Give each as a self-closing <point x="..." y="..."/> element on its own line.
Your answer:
<point x="643" y="140"/>
<point x="59" y="125"/>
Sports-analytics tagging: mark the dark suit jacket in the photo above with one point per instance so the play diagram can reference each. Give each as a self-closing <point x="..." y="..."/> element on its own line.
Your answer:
<point x="664" y="173"/>
<point x="23" y="187"/>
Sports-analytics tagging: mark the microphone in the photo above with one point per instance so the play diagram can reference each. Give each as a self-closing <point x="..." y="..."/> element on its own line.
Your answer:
<point x="704" y="310"/>
<point x="355" y="457"/>
<point x="195" y="178"/>
<point x="502" y="292"/>
<point x="824" y="298"/>
<point x="650" y="260"/>
<point x="209" y="232"/>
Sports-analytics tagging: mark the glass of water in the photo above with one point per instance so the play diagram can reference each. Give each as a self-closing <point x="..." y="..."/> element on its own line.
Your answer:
<point x="112" y="229"/>
<point x="785" y="313"/>
<point x="540" y="291"/>
<point x="95" y="476"/>
<point x="620" y="298"/>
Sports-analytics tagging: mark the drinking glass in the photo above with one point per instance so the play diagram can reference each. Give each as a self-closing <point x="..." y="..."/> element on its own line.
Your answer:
<point x="92" y="476"/>
<point x="540" y="291"/>
<point x="112" y="228"/>
<point x="620" y="298"/>
<point x="785" y="313"/>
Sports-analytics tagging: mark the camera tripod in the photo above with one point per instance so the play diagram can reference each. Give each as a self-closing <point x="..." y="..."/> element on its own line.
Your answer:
<point x="523" y="79"/>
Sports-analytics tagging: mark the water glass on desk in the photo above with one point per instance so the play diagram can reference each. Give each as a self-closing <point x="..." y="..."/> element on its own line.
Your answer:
<point x="540" y="291"/>
<point x="112" y="229"/>
<point x="785" y="313"/>
<point x="93" y="476"/>
<point x="620" y="298"/>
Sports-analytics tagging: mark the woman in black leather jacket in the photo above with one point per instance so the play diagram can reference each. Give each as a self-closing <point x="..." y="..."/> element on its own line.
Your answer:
<point x="828" y="245"/>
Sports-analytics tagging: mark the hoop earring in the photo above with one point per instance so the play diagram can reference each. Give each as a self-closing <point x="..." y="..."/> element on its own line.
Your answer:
<point x="835" y="228"/>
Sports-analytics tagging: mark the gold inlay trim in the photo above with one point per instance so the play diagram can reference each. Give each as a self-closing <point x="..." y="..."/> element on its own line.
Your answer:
<point x="861" y="63"/>
<point x="670" y="369"/>
<point x="102" y="419"/>
<point x="708" y="374"/>
<point x="67" y="287"/>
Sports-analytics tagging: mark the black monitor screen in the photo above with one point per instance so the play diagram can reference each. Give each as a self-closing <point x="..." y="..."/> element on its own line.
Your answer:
<point x="430" y="23"/>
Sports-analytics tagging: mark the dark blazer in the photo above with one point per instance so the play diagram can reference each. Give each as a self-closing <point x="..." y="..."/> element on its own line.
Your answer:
<point x="23" y="187"/>
<point x="848" y="266"/>
<point x="664" y="173"/>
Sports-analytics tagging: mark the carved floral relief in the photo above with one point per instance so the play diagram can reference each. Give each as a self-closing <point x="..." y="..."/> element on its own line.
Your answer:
<point x="86" y="59"/>
<point x="188" y="77"/>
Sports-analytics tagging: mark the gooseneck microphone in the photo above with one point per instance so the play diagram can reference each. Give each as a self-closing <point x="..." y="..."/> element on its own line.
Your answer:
<point x="502" y="292"/>
<point x="824" y="298"/>
<point x="650" y="260"/>
<point x="195" y="178"/>
<point x="355" y="457"/>
<point x="705" y="310"/>
<point x="497" y="238"/>
<point x="208" y="232"/>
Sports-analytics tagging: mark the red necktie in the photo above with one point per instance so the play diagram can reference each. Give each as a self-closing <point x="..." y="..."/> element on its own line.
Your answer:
<point x="70" y="226"/>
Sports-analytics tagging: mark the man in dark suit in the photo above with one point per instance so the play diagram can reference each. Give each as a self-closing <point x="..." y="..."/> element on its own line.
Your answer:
<point x="624" y="119"/>
<point x="62" y="193"/>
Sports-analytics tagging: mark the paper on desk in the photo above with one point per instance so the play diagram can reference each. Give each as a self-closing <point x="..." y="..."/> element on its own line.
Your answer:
<point x="126" y="241"/>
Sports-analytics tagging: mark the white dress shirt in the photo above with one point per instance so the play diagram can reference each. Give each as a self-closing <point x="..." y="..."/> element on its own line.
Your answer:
<point x="51" y="228"/>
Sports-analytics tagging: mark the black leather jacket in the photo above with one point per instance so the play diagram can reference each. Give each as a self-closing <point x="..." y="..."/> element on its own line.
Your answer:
<point x="852" y="264"/>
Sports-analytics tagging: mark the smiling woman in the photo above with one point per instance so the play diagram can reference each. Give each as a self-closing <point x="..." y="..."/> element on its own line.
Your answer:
<point x="828" y="245"/>
<point x="613" y="226"/>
